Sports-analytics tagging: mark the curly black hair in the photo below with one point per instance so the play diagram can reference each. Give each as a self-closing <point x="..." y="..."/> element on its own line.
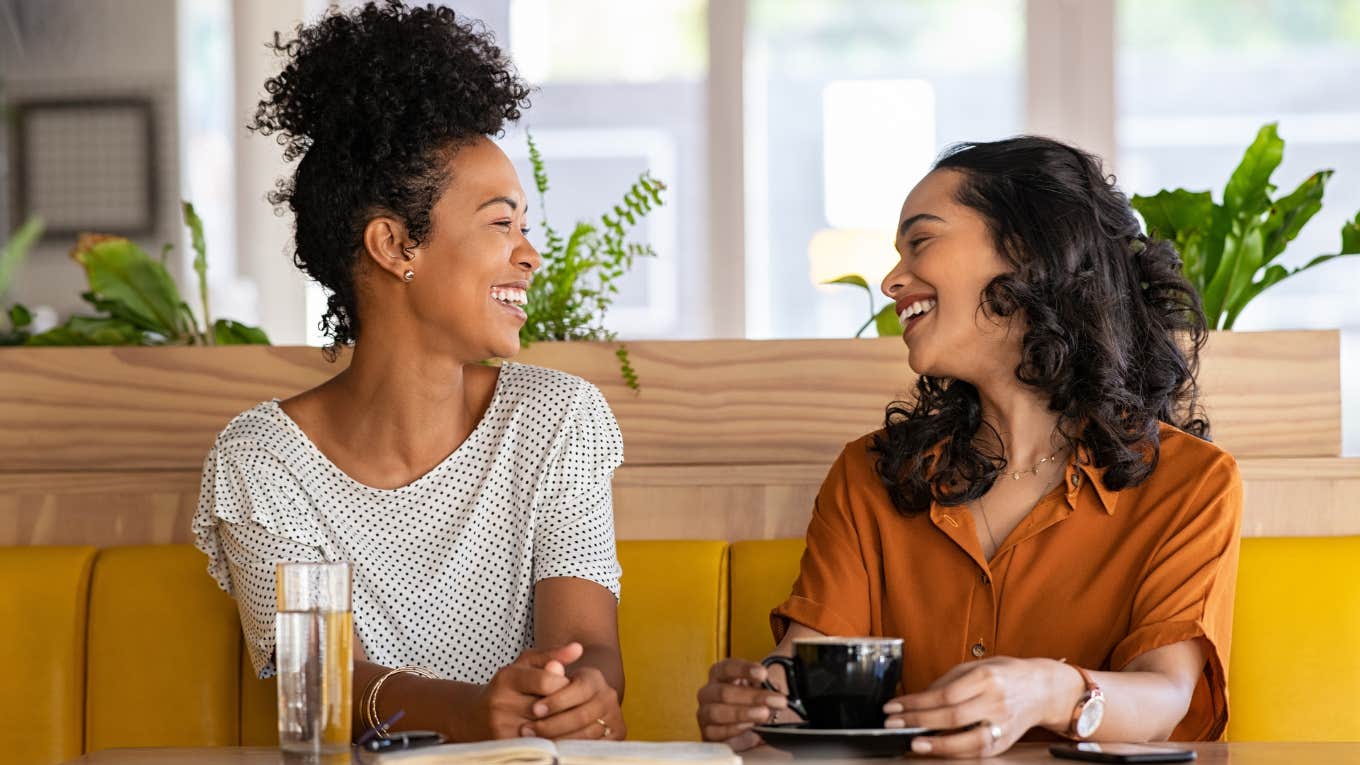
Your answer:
<point x="1114" y="328"/>
<point x="375" y="102"/>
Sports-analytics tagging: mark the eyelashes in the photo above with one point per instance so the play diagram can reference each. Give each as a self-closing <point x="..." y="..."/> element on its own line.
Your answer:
<point x="524" y="230"/>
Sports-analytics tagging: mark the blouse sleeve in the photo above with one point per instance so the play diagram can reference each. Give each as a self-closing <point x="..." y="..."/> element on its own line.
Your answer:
<point x="252" y="514"/>
<point x="574" y="522"/>
<point x="1187" y="593"/>
<point x="831" y="594"/>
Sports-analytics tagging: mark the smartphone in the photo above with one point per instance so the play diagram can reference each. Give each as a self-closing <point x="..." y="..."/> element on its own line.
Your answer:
<point x="1089" y="751"/>
<point x="403" y="739"/>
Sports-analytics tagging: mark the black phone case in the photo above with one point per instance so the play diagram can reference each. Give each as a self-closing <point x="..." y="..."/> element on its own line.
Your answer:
<point x="1071" y="752"/>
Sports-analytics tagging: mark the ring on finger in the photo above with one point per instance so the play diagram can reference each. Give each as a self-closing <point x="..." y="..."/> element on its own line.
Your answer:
<point x="994" y="731"/>
<point x="607" y="731"/>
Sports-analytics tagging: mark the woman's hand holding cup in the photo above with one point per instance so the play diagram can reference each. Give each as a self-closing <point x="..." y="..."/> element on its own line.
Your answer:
<point x="734" y="701"/>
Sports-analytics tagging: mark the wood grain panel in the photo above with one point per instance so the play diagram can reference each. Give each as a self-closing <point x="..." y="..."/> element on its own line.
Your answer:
<point x="703" y="402"/>
<point x="1284" y="497"/>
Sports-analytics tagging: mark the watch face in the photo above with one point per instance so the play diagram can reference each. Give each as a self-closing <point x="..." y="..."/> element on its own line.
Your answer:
<point x="1090" y="718"/>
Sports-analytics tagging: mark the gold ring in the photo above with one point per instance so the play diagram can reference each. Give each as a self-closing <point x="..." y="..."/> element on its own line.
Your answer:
<point x="605" y="725"/>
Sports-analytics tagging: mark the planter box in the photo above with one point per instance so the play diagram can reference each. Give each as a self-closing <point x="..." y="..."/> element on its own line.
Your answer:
<point x="727" y="439"/>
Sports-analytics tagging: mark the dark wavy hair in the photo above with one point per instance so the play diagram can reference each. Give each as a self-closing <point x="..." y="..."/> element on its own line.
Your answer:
<point x="375" y="102"/>
<point x="1114" y="328"/>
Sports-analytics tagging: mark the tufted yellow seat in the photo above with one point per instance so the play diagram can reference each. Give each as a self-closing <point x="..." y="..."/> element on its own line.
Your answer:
<point x="1296" y="627"/>
<point x="164" y="652"/>
<point x="672" y="627"/>
<point x="762" y="577"/>
<point x="42" y="645"/>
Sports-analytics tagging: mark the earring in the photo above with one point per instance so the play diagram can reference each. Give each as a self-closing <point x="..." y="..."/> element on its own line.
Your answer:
<point x="409" y="275"/>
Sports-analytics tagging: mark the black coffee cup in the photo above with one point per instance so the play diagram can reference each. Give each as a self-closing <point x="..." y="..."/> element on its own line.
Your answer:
<point x="841" y="683"/>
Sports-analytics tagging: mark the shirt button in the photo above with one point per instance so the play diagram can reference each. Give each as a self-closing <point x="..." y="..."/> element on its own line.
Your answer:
<point x="986" y="579"/>
<point x="979" y="650"/>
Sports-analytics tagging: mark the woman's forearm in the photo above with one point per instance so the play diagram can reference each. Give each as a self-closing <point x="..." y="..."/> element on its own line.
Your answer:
<point x="446" y="706"/>
<point x="608" y="661"/>
<point x="1139" y="706"/>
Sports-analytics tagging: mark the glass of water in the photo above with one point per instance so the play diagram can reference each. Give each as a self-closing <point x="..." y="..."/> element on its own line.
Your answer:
<point x="314" y="654"/>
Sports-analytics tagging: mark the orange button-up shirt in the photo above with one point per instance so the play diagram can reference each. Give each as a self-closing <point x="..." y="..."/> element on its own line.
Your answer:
<point x="1097" y="577"/>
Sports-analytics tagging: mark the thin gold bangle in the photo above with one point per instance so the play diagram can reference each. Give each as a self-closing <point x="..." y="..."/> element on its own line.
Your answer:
<point x="370" y="700"/>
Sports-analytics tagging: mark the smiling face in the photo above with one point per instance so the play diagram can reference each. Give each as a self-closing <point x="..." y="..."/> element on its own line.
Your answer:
<point x="948" y="257"/>
<point x="473" y="269"/>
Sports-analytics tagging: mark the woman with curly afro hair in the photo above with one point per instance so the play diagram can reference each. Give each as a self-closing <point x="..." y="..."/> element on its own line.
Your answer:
<point x="473" y="501"/>
<point x="1044" y="523"/>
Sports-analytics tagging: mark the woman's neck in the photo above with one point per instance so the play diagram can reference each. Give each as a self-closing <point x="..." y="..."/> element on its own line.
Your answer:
<point x="405" y="402"/>
<point x="1023" y="421"/>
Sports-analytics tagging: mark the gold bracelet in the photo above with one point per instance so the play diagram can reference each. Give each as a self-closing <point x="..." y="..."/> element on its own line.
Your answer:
<point x="370" y="698"/>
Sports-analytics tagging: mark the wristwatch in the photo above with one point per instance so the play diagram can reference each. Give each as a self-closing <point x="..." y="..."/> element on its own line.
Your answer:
<point x="1090" y="709"/>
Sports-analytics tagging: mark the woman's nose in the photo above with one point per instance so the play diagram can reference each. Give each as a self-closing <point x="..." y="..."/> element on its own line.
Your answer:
<point x="526" y="257"/>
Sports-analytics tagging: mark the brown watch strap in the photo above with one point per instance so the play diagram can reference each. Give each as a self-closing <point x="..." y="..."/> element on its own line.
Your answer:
<point x="1092" y="691"/>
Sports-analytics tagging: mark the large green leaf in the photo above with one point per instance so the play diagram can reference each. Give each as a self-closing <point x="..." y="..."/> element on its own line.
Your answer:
<point x="1184" y="218"/>
<point x="20" y="317"/>
<point x="120" y="272"/>
<point x="854" y="279"/>
<point x="16" y="249"/>
<point x="1175" y="214"/>
<point x="887" y="322"/>
<point x="1248" y="190"/>
<point x="91" y="330"/>
<point x="1273" y="275"/>
<point x="228" y="332"/>
<point x="1214" y="243"/>
<point x="1241" y="260"/>
<point x="1290" y="213"/>
<point x="1350" y="236"/>
<point x="200" y="246"/>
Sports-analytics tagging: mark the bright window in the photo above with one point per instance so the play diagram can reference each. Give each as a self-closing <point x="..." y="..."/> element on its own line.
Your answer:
<point x="846" y="107"/>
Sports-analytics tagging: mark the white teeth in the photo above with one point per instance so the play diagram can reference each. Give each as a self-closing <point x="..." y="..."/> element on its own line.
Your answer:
<point x="510" y="295"/>
<point x="915" y="309"/>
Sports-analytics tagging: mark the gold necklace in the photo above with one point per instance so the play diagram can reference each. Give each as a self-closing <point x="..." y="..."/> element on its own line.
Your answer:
<point x="1018" y="474"/>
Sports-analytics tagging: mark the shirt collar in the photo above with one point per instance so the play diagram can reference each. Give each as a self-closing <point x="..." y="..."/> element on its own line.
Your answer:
<point x="1082" y="475"/>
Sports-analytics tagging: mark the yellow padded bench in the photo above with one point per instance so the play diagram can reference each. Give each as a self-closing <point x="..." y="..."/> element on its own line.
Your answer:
<point x="136" y="646"/>
<point x="43" y="598"/>
<point x="1295" y="665"/>
<point x="161" y="661"/>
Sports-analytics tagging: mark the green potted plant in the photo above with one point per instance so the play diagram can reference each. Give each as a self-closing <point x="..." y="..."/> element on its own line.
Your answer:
<point x="577" y="282"/>
<point x="135" y="300"/>
<point x="1229" y="248"/>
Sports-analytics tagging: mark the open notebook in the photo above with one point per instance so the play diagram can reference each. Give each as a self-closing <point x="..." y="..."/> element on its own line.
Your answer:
<point x="540" y="751"/>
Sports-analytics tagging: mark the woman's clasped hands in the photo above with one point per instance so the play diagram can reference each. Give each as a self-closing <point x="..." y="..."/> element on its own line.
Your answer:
<point x="540" y="695"/>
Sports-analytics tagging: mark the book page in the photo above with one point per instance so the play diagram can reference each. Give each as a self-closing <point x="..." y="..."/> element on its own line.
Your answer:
<point x="638" y="752"/>
<point x="511" y="751"/>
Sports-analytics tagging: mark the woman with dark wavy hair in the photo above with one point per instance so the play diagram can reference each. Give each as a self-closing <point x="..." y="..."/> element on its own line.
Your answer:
<point x="474" y="501"/>
<point x="1044" y="522"/>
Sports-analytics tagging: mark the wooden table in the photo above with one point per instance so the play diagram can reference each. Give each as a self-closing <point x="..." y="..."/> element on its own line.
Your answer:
<point x="1209" y="754"/>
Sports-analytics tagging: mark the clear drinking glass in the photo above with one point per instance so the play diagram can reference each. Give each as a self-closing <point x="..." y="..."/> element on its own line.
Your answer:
<point x="314" y="653"/>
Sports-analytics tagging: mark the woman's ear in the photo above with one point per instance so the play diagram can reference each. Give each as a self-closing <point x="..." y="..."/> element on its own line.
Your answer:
<point x="387" y="246"/>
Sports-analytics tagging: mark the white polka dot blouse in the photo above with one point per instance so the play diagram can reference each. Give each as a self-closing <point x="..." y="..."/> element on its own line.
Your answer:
<point x="444" y="567"/>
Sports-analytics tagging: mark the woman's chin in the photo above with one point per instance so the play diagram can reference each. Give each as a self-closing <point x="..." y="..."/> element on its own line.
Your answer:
<point x="505" y="348"/>
<point x="918" y="359"/>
